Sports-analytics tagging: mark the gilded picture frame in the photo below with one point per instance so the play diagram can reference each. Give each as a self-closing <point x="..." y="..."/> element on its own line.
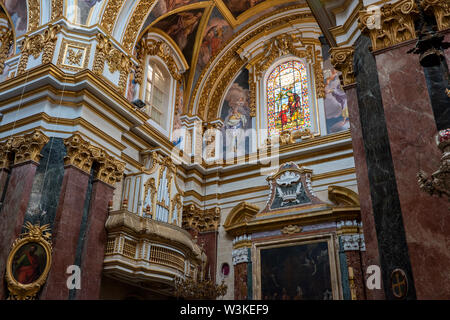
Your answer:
<point x="29" y="263"/>
<point x="328" y="240"/>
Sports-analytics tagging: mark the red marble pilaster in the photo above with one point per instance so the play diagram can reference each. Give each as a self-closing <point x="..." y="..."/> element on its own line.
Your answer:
<point x="3" y="180"/>
<point x="66" y="231"/>
<point x="371" y="255"/>
<point x="447" y="39"/>
<point x="13" y="211"/>
<point x="240" y="281"/>
<point x="411" y="128"/>
<point x="209" y="242"/>
<point x="95" y="242"/>
<point x="354" y="261"/>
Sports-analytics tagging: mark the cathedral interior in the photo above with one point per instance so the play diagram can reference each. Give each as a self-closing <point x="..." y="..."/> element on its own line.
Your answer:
<point x="224" y="149"/>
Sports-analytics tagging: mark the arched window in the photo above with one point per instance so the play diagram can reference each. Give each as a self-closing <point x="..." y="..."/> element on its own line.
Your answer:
<point x="157" y="93"/>
<point x="288" y="105"/>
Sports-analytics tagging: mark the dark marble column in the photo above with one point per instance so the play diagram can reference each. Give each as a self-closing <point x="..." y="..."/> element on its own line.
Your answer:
<point x="66" y="230"/>
<point x="93" y="248"/>
<point x="371" y="255"/>
<point x="387" y="212"/>
<point x="411" y="128"/>
<point x="4" y="177"/>
<point x="13" y="211"/>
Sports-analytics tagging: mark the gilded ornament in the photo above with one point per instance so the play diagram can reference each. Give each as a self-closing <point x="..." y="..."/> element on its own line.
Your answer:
<point x="342" y="60"/>
<point x="35" y="245"/>
<point x="6" y="39"/>
<point x="28" y="147"/>
<point x="57" y="9"/>
<point x="5" y="152"/>
<point x="395" y="25"/>
<point x="134" y="25"/>
<point x="110" y="15"/>
<point x="201" y="220"/>
<point x="291" y="229"/>
<point x="33" y="14"/>
<point x="441" y="11"/>
<point x="163" y="51"/>
<point x="78" y="153"/>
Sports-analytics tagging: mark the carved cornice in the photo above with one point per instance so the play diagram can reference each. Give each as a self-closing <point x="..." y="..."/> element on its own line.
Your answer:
<point x="441" y="11"/>
<point x="394" y="24"/>
<point x="201" y="220"/>
<point x="110" y="15"/>
<point x="33" y="14"/>
<point x="43" y="42"/>
<point x="28" y="147"/>
<point x="342" y="60"/>
<point x="134" y="25"/>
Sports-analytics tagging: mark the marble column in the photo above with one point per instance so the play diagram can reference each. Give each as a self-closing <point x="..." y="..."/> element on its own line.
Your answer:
<point x="66" y="230"/>
<point x="411" y="129"/>
<point x="208" y="240"/>
<point x="4" y="174"/>
<point x="95" y="242"/>
<point x="370" y="256"/>
<point x="26" y="150"/>
<point x="241" y="259"/>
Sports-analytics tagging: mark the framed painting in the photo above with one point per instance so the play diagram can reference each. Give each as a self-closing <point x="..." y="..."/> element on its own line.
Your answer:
<point x="296" y="269"/>
<point x="29" y="263"/>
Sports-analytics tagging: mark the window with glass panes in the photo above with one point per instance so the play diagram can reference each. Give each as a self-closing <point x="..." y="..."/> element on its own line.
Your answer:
<point x="157" y="92"/>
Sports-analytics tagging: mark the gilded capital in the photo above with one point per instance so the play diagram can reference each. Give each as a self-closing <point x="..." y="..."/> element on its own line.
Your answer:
<point x="441" y="11"/>
<point x="78" y="153"/>
<point x="28" y="147"/>
<point x="201" y="220"/>
<point x="389" y="25"/>
<point x="5" y="152"/>
<point x="342" y="60"/>
<point x="110" y="170"/>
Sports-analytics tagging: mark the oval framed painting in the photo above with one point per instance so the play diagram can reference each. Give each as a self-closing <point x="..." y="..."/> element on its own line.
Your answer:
<point x="28" y="265"/>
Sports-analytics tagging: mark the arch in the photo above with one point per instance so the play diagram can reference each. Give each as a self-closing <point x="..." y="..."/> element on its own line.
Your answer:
<point x="240" y="214"/>
<point x="343" y="196"/>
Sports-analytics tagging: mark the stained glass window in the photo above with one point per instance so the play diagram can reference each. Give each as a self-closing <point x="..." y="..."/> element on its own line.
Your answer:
<point x="288" y="98"/>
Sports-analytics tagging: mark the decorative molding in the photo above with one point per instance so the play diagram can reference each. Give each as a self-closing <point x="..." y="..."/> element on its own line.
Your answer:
<point x="82" y="154"/>
<point x="291" y="229"/>
<point x="6" y="40"/>
<point x="394" y="24"/>
<point x="350" y="242"/>
<point x="5" y="152"/>
<point x="343" y="196"/>
<point x="110" y="14"/>
<point x="78" y="153"/>
<point x="57" y="9"/>
<point x="163" y="51"/>
<point x="201" y="220"/>
<point x="240" y="256"/>
<point x="342" y="60"/>
<point x="134" y="25"/>
<point x="73" y="56"/>
<point x="28" y="147"/>
<point x="38" y="236"/>
<point x="241" y="213"/>
<point x="33" y="9"/>
<point x="40" y="43"/>
<point x="441" y="11"/>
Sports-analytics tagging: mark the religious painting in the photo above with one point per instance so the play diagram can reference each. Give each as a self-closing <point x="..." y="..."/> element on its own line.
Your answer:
<point x="288" y="105"/>
<point x="236" y="118"/>
<point x="296" y="272"/>
<point x="164" y="6"/>
<point x="237" y="7"/>
<point x="81" y="11"/>
<point x="336" y="110"/>
<point x="182" y="28"/>
<point x="18" y="13"/>
<point x="217" y="32"/>
<point x="133" y="87"/>
<point x="29" y="262"/>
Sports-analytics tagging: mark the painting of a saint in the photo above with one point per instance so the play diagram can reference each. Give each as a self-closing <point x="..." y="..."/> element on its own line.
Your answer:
<point x="182" y="28"/>
<point x="216" y="34"/>
<point x="177" y="137"/>
<point x="298" y="272"/>
<point x="29" y="263"/>
<point x="238" y="7"/>
<point x="236" y="118"/>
